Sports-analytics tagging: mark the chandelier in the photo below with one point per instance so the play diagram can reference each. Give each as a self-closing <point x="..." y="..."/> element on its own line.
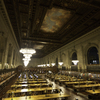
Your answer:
<point x="75" y="62"/>
<point x="27" y="53"/>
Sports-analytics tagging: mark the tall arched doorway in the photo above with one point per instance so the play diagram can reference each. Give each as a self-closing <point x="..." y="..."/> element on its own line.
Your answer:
<point x="92" y="56"/>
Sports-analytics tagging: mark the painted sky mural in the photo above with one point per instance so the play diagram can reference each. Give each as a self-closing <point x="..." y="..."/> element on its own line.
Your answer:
<point x="55" y="18"/>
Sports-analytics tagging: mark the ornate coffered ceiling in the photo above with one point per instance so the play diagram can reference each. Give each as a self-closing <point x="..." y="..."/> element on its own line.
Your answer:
<point x="46" y="25"/>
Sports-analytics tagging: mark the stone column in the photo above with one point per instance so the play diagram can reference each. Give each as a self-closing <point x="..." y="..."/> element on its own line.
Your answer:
<point x="5" y="54"/>
<point x="14" y="64"/>
<point x="80" y="57"/>
<point x="68" y="64"/>
<point x="99" y="51"/>
<point x="1" y="55"/>
<point x="69" y="61"/>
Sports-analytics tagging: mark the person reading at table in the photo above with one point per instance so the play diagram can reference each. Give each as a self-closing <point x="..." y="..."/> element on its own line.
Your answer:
<point x="60" y="91"/>
<point x="30" y="94"/>
<point x="93" y="89"/>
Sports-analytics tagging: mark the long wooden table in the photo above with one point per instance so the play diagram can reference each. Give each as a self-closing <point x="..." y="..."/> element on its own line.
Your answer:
<point x="39" y="97"/>
<point x="78" y="82"/>
<point x="30" y="82"/>
<point x="86" y="86"/>
<point x="96" y="91"/>
<point x="26" y="85"/>
<point x="28" y="79"/>
<point x="30" y="90"/>
<point x="72" y="80"/>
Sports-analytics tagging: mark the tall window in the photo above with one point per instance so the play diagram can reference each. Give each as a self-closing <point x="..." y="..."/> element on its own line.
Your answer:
<point x="74" y="57"/>
<point x="92" y="56"/>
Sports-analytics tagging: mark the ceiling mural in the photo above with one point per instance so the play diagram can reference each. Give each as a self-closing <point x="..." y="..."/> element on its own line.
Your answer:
<point x="55" y="19"/>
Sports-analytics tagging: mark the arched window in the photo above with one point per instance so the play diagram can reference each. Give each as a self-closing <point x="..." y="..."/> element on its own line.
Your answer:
<point x="74" y="57"/>
<point x="92" y="56"/>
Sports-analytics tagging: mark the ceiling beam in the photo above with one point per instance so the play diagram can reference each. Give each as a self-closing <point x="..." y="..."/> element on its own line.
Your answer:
<point x="51" y="4"/>
<point x="23" y="13"/>
<point x="42" y="40"/>
<point x="29" y="17"/>
<point x="86" y="3"/>
<point x="65" y="8"/>
<point x="35" y="16"/>
<point x="16" y="10"/>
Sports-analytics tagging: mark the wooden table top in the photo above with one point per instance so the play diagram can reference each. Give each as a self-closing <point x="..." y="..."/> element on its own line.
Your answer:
<point x="79" y="82"/>
<point x="29" y="79"/>
<point x="84" y="86"/>
<point x="64" y="80"/>
<point x="39" y="97"/>
<point x="23" y="85"/>
<point x="31" y="82"/>
<point x="29" y="90"/>
<point x="97" y="91"/>
<point x="22" y="80"/>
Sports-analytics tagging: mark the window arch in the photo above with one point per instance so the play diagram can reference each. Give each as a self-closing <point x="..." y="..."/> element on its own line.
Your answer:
<point x="92" y="55"/>
<point x="74" y="57"/>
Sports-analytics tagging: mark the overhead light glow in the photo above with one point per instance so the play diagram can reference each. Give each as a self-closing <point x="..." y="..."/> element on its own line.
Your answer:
<point x="53" y="64"/>
<point x="27" y="53"/>
<point x="40" y="65"/>
<point x="60" y="63"/>
<point x="27" y="50"/>
<point x="48" y="64"/>
<point x="26" y="59"/>
<point x="75" y="62"/>
<point x="44" y="65"/>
